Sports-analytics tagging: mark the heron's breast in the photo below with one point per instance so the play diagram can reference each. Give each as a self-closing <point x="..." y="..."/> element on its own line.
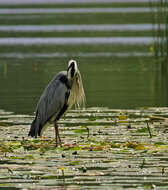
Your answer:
<point x="70" y="100"/>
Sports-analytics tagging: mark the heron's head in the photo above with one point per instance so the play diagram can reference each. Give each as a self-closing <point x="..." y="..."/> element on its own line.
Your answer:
<point x="72" y="71"/>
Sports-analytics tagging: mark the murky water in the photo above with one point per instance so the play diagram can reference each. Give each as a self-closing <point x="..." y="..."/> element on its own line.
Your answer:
<point x="66" y="1"/>
<point x="118" y="68"/>
<point x="120" y="84"/>
<point x="76" y="41"/>
<point x="64" y="55"/>
<point x="72" y="10"/>
<point x="59" y="28"/>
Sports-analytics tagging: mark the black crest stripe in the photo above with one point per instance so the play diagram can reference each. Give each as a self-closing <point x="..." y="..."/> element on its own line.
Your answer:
<point x="65" y="81"/>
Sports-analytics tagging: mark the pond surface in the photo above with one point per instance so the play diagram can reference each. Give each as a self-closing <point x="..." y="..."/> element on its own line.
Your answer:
<point x="76" y="41"/>
<point x="116" y="82"/>
<point x="99" y="27"/>
<point x="114" y="51"/>
<point x="71" y="10"/>
<point x="102" y="149"/>
<point x="65" y="1"/>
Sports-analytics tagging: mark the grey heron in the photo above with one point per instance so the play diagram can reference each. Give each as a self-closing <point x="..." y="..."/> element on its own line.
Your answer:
<point x="62" y="92"/>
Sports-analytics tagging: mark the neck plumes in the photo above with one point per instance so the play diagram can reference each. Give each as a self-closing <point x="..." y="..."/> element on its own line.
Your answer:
<point x="77" y="95"/>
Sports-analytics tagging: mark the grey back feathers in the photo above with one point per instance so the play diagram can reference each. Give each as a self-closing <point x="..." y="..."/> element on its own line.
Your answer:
<point x="54" y="97"/>
<point x="61" y="93"/>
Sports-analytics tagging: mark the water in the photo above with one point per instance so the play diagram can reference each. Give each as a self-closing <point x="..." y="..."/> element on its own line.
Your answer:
<point x="67" y="1"/>
<point x="115" y="82"/>
<point x="115" y="60"/>
<point x="80" y="54"/>
<point x="76" y="41"/>
<point x="72" y="10"/>
<point x="113" y="152"/>
<point x="79" y="28"/>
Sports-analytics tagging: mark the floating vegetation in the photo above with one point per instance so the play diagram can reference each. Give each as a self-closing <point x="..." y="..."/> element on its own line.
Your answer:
<point x="100" y="151"/>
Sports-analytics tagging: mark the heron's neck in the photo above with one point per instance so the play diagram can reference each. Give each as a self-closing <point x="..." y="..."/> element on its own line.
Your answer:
<point x="71" y="83"/>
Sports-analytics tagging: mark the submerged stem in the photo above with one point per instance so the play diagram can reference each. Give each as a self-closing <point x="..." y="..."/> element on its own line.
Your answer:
<point x="150" y="134"/>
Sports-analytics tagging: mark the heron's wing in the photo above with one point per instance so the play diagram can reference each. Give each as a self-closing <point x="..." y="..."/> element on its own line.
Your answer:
<point x="52" y="100"/>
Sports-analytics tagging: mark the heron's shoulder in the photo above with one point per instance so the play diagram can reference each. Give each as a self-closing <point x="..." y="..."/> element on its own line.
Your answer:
<point x="61" y="74"/>
<point x="62" y="77"/>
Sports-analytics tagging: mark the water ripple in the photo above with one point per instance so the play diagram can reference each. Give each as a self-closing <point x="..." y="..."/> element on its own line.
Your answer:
<point x="76" y="41"/>
<point x="69" y="1"/>
<point x="73" y="10"/>
<point x="74" y="27"/>
<point x="81" y="54"/>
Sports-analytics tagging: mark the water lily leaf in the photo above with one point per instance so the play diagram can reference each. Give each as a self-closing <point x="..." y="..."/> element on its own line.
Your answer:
<point x="29" y="157"/>
<point x="92" y="118"/>
<point x="122" y="117"/>
<point x="36" y="141"/>
<point x="123" y="121"/>
<point x="159" y="143"/>
<point x="140" y="147"/>
<point x="4" y="124"/>
<point x="82" y="130"/>
<point x="143" y="130"/>
<point x="31" y="147"/>
<point x="15" y="144"/>
<point x="74" y="163"/>
<point x="5" y="148"/>
<point x="115" y="145"/>
<point x="49" y="177"/>
<point x="71" y="147"/>
<point x="91" y="140"/>
<point x="130" y="145"/>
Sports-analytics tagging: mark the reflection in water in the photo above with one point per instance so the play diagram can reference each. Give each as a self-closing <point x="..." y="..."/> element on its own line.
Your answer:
<point x="113" y="82"/>
<point x="73" y="10"/>
<point x="164" y="82"/>
<point x="79" y="54"/>
<point x="5" y="69"/>
<point x="115" y="74"/>
<point x="67" y="1"/>
<point x="83" y="27"/>
<point x="77" y="41"/>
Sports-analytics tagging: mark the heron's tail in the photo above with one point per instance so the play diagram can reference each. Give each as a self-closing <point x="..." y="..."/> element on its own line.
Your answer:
<point x="34" y="128"/>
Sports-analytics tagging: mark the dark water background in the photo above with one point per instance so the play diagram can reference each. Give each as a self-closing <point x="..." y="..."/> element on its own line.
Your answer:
<point x="119" y="73"/>
<point x="113" y="82"/>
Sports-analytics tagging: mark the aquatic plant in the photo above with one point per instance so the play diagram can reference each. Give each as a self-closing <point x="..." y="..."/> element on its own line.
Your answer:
<point x="108" y="152"/>
<point x="160" y="31"/>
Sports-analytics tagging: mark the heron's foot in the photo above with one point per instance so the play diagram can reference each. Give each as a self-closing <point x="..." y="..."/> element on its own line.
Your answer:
<point x="57" y="144"/>
<point x="58" y="141"/>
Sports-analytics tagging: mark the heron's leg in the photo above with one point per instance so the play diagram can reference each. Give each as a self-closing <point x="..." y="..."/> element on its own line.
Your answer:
<point x="56" y="130"/>
<point x="57" y="134"/>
